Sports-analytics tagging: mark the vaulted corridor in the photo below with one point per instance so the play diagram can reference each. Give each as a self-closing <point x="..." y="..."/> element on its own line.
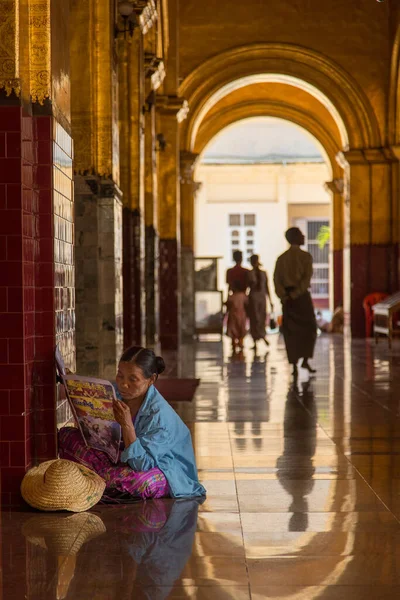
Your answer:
<point x="303" y="493"/>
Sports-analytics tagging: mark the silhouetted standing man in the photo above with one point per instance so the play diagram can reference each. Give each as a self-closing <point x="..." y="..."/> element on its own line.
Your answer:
<point x="292" y="280"/>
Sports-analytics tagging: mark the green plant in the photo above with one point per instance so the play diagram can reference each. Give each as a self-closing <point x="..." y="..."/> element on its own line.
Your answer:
<point x="324" y="236"/>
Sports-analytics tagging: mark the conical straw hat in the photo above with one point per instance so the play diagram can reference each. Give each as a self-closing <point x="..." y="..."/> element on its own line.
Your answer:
<point x="62" y="485"/>
<point x="63" y="535"/>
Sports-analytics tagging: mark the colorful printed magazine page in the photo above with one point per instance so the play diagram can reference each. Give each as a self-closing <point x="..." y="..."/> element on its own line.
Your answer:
<point x="92" y="403"/>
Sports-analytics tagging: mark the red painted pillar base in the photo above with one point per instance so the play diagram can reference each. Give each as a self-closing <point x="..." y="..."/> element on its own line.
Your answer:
<point x="169" y="294"/>
<point x="373" y="268"/>
<point x="133" y="278"/>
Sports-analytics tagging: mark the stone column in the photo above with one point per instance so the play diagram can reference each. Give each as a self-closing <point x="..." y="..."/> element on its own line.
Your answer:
<point x="188" y="191"/>
<point x="371" y="245"/>
<point x="98" y="245"/>
<point x="337" y="238"/>
<point x="170" y="111"/>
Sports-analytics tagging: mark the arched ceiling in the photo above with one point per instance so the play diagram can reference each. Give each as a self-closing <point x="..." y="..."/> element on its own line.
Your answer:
<point x="295" y="66"/>
<point x="277" y="100"/>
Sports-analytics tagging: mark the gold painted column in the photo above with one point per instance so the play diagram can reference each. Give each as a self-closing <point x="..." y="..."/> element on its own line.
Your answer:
<point x="98" y="247"/>
<point x="151" y="218"/>
<point x="336" y="186"/>
<point x="131" y="120"/>
<point x="188" y="191"/>
<point x="154" y="76"/>
<point x="170" y="111"/>
<point x="371" y="241"/>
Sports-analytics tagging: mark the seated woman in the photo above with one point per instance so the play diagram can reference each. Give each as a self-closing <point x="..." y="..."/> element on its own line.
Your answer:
<point x="157" y="458"/>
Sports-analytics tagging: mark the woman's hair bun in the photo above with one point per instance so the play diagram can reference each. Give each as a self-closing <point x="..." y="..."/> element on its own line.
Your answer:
<point x="160" y="365"/>
<point x="145" y="359"/>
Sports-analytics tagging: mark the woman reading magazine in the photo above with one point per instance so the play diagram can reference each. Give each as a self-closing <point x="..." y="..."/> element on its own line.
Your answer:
<point x="157" y="458"/>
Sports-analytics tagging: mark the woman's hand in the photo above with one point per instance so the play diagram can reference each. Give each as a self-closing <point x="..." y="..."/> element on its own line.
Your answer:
<point x="123" y="416"/>
<point x="122" y="413"/>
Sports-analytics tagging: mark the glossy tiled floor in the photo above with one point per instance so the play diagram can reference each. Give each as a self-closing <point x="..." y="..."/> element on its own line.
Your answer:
<point x="303" y="494"/>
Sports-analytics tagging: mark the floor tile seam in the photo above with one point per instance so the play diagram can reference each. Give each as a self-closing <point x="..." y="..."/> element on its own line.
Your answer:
<point x="240" y="519"/>
<point x="355" y="468"/>
<point x="370" y="397"/>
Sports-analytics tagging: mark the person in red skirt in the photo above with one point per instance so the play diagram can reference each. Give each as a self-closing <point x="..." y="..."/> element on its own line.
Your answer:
<point x="237" y="315"/>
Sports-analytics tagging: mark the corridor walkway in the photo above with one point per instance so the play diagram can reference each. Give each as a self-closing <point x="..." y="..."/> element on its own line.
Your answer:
<point x="303" y="494"/>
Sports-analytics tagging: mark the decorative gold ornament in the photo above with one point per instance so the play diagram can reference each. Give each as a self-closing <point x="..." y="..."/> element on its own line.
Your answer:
<point x="40" y="50"/>
<point x="9" y="47"/>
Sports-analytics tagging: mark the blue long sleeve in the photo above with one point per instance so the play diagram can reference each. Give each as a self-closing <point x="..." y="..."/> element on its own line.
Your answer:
<point x="145" y="452"/>
<point x="164" y="441"/>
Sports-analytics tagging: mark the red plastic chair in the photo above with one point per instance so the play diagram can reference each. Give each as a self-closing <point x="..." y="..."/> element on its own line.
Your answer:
<point x="368" y="303"/>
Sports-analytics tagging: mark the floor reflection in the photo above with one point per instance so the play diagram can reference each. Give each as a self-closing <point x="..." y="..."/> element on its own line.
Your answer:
<point x="299" y="427"/>
<point x="143" y="553"/>
<point x="303" y="492"/>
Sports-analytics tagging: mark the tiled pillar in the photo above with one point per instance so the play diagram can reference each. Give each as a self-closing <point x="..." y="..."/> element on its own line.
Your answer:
<point x="371" y="246"/>
<point x="168" y="109"/>
<point x="19" y="249"/>
<point x="188" y="190"/>
<point x="55" y="284"/>
<point x="36" y="289"/>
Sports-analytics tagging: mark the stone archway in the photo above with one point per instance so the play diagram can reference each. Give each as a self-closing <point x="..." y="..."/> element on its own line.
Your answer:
<point x="330" y="146"/>
<point x="302" y="66"/>
<point x="367" y="168"/>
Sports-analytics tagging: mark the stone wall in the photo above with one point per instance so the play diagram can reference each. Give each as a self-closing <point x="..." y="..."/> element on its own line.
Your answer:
<point x="99" y="328"/>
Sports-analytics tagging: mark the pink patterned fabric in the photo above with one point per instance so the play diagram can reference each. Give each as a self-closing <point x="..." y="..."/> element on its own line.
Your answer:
<point x="119" y="477"/>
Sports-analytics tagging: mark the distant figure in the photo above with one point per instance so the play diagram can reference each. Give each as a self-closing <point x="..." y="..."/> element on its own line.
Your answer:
<point x="237" y="273"/>
<point x="292" y="280"/>
<point x="322" y="324"/>
<point x="335" y="325"/>
<point x="237" y="315"/>
<point x="257" y="310"/>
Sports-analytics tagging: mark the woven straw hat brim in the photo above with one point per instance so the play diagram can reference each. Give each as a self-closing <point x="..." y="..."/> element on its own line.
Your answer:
<point x="63" y="535"/>
<point x="62" y="485"/>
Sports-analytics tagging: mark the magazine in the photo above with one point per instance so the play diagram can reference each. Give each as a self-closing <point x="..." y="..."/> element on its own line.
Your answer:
<point x="91" y="401"/>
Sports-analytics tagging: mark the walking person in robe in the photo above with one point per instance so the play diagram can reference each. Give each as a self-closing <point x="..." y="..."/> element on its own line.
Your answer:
<point x="237" y="316"/>
<point x="257" y="307"/>
<point x="237" y="274"/>
<point x="292" y="278"/>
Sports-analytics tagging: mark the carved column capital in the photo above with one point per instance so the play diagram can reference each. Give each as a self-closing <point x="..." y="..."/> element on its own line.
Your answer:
<point x="336" y="186"/>
<point x="366" y="156"/>
<point x="173" y="105"/>
<point x="154" y="69"/>
<point x="197" y="185"/>
<point x="187" y="165"/>
<point x="395" y="151"/>
<point x="146" y="11"/>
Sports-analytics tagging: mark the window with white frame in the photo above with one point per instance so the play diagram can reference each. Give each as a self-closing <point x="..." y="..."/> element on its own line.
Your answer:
<point x="242" y="234"/>
<point x="320" y="280"/>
